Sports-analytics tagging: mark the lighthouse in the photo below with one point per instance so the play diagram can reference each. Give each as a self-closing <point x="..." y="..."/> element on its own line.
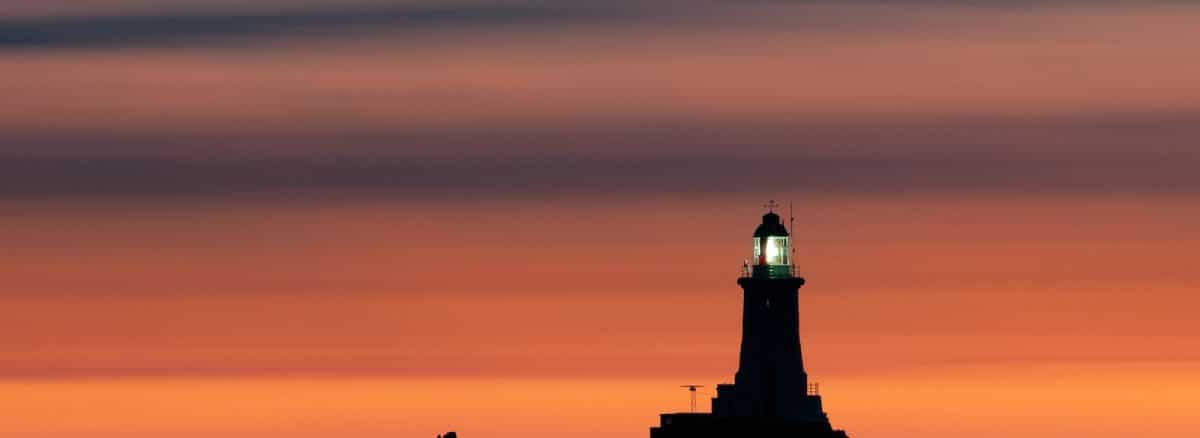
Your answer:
<point x="770" y="394"/>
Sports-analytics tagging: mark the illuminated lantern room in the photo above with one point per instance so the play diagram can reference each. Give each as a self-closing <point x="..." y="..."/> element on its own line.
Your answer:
<point x="772" y="249"/>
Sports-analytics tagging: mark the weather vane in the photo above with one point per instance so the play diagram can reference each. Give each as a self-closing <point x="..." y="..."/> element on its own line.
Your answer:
<point x="771" y="205"/>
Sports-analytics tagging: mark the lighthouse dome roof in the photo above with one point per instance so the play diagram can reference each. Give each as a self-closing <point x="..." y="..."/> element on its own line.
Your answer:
<point x="770" y="226"/>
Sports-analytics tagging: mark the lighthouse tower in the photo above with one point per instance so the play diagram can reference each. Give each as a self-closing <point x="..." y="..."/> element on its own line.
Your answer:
<point x="770" y="381"/>
<point x="770" y="395"/>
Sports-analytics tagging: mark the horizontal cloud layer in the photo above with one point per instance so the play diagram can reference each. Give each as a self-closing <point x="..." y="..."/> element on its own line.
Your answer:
<point x="183" y="24"/>
<point x="534" y="176"/>
<point x="1016" y="105"/>
<point x="219" y="28"/>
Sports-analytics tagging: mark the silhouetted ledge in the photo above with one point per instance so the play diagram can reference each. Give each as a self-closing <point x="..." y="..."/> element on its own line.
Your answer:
<point x="706" y="425"/>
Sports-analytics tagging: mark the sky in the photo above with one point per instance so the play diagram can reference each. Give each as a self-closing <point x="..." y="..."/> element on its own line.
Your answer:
<point x="300" y="218"/>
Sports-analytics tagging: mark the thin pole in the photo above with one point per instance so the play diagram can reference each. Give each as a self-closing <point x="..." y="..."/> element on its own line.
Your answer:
<point x="792" y="241"/>
<point x="692" y="391"/>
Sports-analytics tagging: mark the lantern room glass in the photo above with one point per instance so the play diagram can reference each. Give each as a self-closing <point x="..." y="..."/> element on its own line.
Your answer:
<point x="777" y="251"/>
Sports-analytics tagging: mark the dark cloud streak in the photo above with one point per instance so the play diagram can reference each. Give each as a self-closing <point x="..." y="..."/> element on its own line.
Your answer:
<point x="203" y="29"/>
<point x="164" y="179"/>
<point x="224" y="29"/>
<point x="1113" y="137"/>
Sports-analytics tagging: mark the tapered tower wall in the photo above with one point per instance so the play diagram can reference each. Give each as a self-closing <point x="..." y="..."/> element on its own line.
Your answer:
<point x="770" y="395"/>
<point x="770" y="380"/>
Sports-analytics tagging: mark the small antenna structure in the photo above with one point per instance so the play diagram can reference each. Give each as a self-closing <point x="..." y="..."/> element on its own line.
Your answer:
<point x="692" y="390"/>
<point x="792" y="231"/>
<point x="791" y="219"/>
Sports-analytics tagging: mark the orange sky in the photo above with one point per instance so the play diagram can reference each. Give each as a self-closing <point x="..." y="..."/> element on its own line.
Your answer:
<point x="526" y="221"/>
<point x="941" y="315"/>
<point x="1098" y="400"/>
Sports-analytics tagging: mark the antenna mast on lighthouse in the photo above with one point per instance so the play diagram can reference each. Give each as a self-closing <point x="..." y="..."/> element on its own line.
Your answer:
<point x="692" y="389"/>
<point x="792" y="231"/>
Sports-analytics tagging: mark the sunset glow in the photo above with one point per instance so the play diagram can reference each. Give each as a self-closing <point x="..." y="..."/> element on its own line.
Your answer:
<point x="526" y="219"/>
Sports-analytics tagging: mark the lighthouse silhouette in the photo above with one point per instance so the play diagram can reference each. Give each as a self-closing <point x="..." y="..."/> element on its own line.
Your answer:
<point x="770" y="396"/>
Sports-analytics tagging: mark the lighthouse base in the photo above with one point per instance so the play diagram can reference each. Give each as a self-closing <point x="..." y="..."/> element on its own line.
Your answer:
<point x="705" y="425"/>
